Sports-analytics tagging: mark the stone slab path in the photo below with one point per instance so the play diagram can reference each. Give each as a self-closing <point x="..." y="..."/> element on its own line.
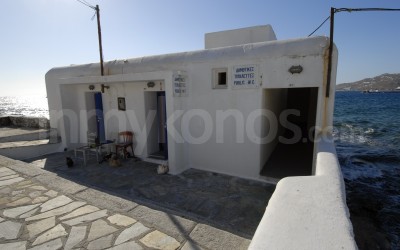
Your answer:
<point x="230" y="203"/>
<point x="35" y="215"/>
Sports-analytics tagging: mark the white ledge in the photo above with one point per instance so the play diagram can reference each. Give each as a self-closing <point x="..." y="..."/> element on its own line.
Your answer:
<point x="308" y="212"/>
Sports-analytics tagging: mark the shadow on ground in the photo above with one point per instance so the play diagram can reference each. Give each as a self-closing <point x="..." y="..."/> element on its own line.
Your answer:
<point x="229" y="203"/>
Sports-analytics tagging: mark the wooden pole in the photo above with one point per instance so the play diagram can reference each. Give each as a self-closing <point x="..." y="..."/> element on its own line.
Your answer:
<point x="328" y="81"/>
<point x="100" y="43"/>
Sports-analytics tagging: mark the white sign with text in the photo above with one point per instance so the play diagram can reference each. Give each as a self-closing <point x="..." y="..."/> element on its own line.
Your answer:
<point x="180" y="85"/>
<point x="245" y="76"/>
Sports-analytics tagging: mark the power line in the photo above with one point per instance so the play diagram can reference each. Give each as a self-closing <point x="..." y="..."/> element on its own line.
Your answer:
<point x="87" y="4"/>
<point x="363" y="9"/>
<point x="337" y="10"/>
<point x="312" y="33"/>
<point x="332" y="17"/>
<point x="97" y="13"/>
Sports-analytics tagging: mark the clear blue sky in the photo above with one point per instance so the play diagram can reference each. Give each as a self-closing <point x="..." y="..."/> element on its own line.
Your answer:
<point x="37" y="35"/>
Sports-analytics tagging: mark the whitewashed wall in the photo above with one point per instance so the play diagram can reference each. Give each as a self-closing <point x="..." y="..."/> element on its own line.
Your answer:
<point x="239" y="156"/>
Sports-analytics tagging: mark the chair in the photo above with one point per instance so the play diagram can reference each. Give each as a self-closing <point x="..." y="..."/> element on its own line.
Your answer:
<point x="91" y="147"/>
<point x="125" y="141"/>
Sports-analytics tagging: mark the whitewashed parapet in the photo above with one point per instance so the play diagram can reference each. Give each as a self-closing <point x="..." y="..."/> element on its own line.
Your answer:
<point x="308" y="212"/>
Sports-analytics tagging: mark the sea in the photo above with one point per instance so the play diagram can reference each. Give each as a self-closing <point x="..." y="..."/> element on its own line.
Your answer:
<point x="367" y="138"/>
<point x="30" y="106"/>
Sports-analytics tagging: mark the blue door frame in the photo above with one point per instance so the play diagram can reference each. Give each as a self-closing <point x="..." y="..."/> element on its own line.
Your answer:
<point x="162" y="117"/>
<point x="98" y="100"/>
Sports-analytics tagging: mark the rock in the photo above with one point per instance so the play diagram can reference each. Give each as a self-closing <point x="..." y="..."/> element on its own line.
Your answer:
<point x="19" y="202"/>
<point x="159" y="240"/>
<point x="51" y="245"/>
<point x="40" y="199"/>
<point x="51" y="193"/>
<point x="15" y="212"/>
<point x="54" y="203"/>
<point x="56" y="232"/>
<point x="58" y="211"/>
<point x="127" y="246"/>
<point x="20" y="245"/>
<point x="11" y="181"/>
<point x="87" y="218"/>
<point x="175" y="226"/>
<point x="75" y="237"/>
<point x="131" y="232"/>
<point x="40" y="226"/>
<point x="81" y="211"/>
<point x="9" y="230"/>
<point x="29" y="214"/>
<point x="101" y="243"/>
<point x="100" y="228"/>
<point x="121" y="220"/>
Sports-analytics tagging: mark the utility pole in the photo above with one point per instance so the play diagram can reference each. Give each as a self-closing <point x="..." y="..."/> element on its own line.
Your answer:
<point x="332" y="17"/>
<point x="100" y="43"/>
<point x="328" y="81"/>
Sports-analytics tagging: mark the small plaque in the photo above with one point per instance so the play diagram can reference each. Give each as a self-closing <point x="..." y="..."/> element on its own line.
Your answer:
<point x="245" y="77"/>
<point x="180" y="85"/>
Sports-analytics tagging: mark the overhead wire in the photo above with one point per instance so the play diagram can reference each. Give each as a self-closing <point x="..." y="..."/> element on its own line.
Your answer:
<point x="86" y="3"/>
<point x="364" y="9"/>
<point x="350" y="10"/>
<point x="312" y="33"/>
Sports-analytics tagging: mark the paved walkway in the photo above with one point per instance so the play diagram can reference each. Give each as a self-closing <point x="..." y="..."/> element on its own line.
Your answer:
<point x="40" y="210"/>
<point x="233" y="204"/>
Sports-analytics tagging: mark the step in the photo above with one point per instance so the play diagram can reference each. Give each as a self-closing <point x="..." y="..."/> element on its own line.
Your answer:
<point x="155" y="161"/>
<point x="21" y="150"/>
<point x="14" y="134"/>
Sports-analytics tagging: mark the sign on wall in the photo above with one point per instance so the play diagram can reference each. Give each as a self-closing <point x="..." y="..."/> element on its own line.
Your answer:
<point x="180" y="85"/>
<point x="245" y="76"/>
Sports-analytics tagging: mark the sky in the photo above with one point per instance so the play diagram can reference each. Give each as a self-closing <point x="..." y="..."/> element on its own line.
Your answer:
<point x="37" y="35"/>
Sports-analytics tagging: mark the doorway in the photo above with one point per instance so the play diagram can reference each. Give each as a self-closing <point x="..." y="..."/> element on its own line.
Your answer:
<point x="95" y="114"/>
<point x="293" y="152"/>
<point x="157" y="142"/>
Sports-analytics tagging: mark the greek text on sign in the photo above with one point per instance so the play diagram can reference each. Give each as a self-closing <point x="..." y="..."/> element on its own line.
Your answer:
<point x="245" y="76"/>
<point x="180" y="85"/>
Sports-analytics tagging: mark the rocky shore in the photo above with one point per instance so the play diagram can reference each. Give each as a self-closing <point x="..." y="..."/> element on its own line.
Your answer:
<point x="24" y="122"/>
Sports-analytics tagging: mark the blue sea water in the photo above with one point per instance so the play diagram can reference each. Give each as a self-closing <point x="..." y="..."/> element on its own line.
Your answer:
<point x="367" y="137"/>
<point x="32" y="106"/>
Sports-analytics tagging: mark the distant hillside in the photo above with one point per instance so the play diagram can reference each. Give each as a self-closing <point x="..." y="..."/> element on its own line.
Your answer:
<point x="385" y="82"/>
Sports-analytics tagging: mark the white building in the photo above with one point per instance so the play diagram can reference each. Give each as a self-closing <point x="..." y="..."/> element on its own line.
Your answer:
<point x="247" y="105"/>
<point x="224" y="108"/>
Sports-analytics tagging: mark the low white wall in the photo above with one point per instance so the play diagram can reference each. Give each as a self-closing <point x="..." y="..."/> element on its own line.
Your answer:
<point x="27" y="152"/>
<point x="308" y="212"/>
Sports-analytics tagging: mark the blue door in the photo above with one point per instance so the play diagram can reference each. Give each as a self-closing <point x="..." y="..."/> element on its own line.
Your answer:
<point x="162" y="126"/>
<point x="98" y="100"/>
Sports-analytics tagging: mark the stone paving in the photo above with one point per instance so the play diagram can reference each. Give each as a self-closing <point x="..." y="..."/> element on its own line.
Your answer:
<point x="39" y="210"/>
<point x="229" y="203"/>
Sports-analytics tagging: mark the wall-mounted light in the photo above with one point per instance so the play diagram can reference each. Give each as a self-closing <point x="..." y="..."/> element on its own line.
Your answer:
<point x="104" y="87"/>
<point x="296" y="69"/>
<point x="91" y="87"/>
<point x="151" y="84"/>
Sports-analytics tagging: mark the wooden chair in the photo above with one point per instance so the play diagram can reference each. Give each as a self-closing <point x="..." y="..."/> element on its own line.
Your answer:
<point x="89" y="149"/>
<point x="125" y="141"/>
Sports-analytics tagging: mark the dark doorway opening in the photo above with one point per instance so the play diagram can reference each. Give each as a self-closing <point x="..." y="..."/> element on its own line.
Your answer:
<point x="294" y="151"/>
<point x="161" y="150"/>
